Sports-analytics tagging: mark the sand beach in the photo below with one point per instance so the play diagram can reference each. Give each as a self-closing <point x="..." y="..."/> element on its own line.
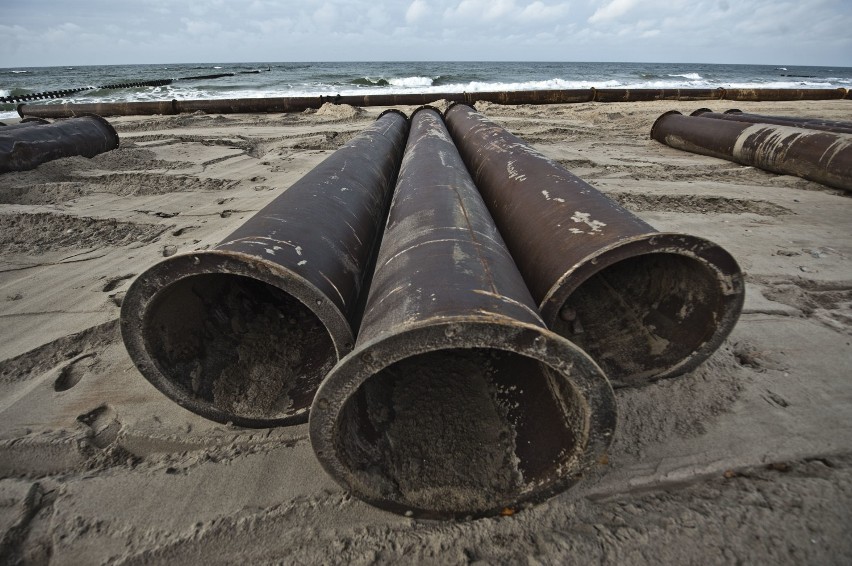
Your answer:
<point x="747" y="459"/>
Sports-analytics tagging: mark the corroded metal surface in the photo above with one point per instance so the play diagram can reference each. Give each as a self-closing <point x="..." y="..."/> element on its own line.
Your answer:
<point x="838" y="126"/>
<point x="644" y="304"/>
<point x="245" y="332"/>
<point x="99" y="108"/>
<point x="646" y="94"/>
<point x="779" y="94"/>
<point x="26" y="146"/>
<point x="456" y="401"/>
<point x="821" y="156"/>
<point x="298" y="104"/>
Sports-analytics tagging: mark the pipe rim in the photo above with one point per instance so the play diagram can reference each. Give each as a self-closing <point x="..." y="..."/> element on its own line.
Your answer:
<point x="392" y="111"/>
<point x="146" y="289"/>
<point x="660" y="118"/>
<point x="423" y="107"/>
<point x="368" y="359"/>
<point x="700" y="111"/>
<point x="457" y="103"/>
<point x="104" y="122"/>
<point x="723" y="266"/>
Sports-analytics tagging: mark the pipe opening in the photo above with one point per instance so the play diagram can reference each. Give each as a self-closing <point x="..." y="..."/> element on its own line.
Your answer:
<point x="644" y="315"/>
<point x="238" y="344"/>
<point x="460" y="431"/>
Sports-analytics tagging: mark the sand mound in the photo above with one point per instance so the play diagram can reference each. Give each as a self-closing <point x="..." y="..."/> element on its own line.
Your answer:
<point x="339" y="112"/>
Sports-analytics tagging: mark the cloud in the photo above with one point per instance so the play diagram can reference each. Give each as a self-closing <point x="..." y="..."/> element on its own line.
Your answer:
<point x="201" y="27"/>
<point x="418" y="10"/>
<point x="539" y="11"/>
<point x="153" y="31"/>
<point x="480" y="9"/>
<point x="612" y="10"/>
<point x="326" y="15"/>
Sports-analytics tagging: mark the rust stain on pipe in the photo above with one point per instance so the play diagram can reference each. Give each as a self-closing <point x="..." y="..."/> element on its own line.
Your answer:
<point x="780" y="94"/>
<point x="99" y="108"/>
<point x="245" y="332"/>
<point x="647" y="94"/>
<point x="299" y="104"/>
<point x="456" y="401"/>
<point x="821" y="156"/>
<point x="838" y="126"/>
<point x="646" y="305"/>
<point x="26" y="146"/>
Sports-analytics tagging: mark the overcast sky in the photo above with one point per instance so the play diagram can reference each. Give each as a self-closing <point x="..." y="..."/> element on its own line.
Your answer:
<point x="79" y="32"/>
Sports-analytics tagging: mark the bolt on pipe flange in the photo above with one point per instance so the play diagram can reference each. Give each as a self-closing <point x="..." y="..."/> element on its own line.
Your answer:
<point x="645" y="305"/>
<point x="457" y="401"/>
<point x="244" y="333"/>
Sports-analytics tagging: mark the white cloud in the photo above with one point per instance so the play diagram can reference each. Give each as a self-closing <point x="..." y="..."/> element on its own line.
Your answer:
<point x="326" y="15"/>
<point x="201" y="27"/>
<point x="480" y="9"/>
<point x="539" y="11"/>
<point x="785" y="32"/>
<point x="418" y="10"/>
<point x="612" y="10"/>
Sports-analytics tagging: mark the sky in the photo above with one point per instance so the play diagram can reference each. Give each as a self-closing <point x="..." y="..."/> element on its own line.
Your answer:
<point x="95" y="32"/>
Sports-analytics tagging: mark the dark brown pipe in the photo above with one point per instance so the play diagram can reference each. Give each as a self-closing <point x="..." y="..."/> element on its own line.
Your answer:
<point x="456" y="401"/>
<point x="99" y="108"/>
<point x="30" y="145"/>
<point x="245" y="332"/>
<point x="779" y="94"/>
<point x="824" y="157"/>
<point x="247" y="105"/>
<point x="299" y="104"/>
<point x="647" y="94"/>
<point x="836" y="126"/>
<point x="644" y="304"/>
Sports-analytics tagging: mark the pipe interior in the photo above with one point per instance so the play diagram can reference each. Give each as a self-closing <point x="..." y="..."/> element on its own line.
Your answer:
<point x="239" y="345"/>
<point x="643" y="315"/>
<point x="460" y="430"/>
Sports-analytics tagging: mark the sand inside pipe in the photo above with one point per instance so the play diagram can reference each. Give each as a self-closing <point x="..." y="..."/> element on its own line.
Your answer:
<point x="460" y="430"/>
<point x="241" y="345"/>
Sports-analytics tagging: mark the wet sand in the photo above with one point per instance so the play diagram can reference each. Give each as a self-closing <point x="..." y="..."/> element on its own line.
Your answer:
<point x="746" y="459"/>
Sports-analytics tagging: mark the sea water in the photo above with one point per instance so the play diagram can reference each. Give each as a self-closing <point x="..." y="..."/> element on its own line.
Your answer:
<point x="246" y="80"/>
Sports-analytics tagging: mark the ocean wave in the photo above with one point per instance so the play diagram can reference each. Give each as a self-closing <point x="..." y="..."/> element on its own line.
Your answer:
<point x="19" y="72"/>
<point x="367" y="81"/>
<point x="690" y="76"/>
<point x="412" y="82"/>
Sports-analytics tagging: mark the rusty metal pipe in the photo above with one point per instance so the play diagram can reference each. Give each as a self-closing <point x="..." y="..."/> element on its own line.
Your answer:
<point x="824" y="157"/>
<point x="644" y="304"/>
<point x="300" y="103"/>
<point x="456" y="401"/>
<point x="30" y="145"/>
<point x="837" y="126"/>
<point x="245" y="332"/>
<point x="647" y="94"/>
<point x="99" y="108"/>
<point x="781" y="94"/>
